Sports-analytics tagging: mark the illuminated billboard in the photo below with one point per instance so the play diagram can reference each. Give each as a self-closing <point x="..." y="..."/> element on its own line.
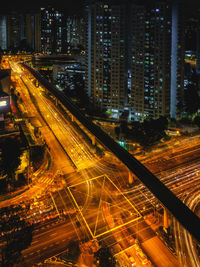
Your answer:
<point x="4" y="104"/>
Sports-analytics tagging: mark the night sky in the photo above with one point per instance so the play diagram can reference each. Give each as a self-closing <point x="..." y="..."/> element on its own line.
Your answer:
<point x="70" y="6"/>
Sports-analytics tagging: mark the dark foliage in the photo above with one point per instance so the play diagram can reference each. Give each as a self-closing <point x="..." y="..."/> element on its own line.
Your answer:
<point x="191" y="99"/>
<point x="10" y="157"/>
<point x="197" y="121"/>
<point x="36" y="156"/>
<point x="146" y="133"/>
<point x="105" y="258"/>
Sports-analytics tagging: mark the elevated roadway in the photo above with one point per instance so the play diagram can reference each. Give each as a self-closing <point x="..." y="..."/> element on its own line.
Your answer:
<point x="175" y="206"/>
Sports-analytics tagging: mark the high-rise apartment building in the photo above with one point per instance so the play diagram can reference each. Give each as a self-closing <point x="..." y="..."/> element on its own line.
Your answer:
<point x="3" y="32"/>
<point x="157" y="60"/>
<point x="198" y="43"/>
<point x="106" y="61"/>
<point x="15" y="31"/>
<point x="20" y="31"/>
<point x="53" y="31"/>
<point x="177" y="61"/>
<point x="151" y="60"/>
<point x="135" y="57"/>
<point x="32" y="31"/>
<point x="75" y="31"/>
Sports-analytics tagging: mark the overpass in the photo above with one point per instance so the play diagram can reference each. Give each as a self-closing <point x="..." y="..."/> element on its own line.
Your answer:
<point x="174" y="205"/>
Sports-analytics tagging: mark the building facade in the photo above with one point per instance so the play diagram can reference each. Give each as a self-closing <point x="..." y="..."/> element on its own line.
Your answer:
<point x="52" y="31"/>
<point x="157" y="68"/>
<point x="177" y="62"/>
<point x="75" y="31"/>
<point x="20" y="31"/>
<point x="106" y="61"/>
<point x="150" y="68"/>
<point x="3" y="32"/>
<point x="198" y="43"/>
<point x="69" y="75"/>
<point x="135" y="58"/>
<point x="32" y="31"/>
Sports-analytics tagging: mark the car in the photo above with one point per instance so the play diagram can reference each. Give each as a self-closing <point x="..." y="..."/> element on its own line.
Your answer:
<point x="137" y="247"/>
<point x="142" y="257"/>
<point x="133" y="262"/>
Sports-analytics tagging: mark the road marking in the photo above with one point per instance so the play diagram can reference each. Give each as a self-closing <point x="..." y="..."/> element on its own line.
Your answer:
<point x="54" y="204"/>
<point x="36" y="241"/>
<point x="53" y="234"/>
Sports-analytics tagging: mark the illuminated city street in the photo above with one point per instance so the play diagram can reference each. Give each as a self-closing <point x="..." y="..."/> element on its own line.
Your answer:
<point x="100" y="133"/>
<point x="83" y="196"/>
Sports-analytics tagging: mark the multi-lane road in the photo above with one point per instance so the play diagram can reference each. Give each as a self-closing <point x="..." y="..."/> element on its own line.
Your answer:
<point x="86" y="195"/>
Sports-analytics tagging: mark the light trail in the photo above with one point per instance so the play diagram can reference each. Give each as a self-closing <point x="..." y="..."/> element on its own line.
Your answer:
<point x="139" y="195"/>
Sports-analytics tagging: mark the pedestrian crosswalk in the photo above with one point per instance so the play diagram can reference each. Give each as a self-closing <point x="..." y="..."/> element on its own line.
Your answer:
<point x="46" y="180"/>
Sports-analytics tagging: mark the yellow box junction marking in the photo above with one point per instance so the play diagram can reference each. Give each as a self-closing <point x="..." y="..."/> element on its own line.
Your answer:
<point x="103" y="180"/>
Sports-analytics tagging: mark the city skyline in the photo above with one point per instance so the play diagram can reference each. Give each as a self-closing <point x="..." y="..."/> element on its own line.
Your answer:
<point x="68" y="6"/>
<point x="74" y="7"/>
<point x="49" y="30"/>
<point x="107" y="198"/>
<point x="99" y="133"/>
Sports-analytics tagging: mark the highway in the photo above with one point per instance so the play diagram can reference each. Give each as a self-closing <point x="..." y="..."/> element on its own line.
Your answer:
<point x="93" y="183"/>
<point x="189" y="246"/>
<point x="47" y="242"/>
<point x="179" y="210"/>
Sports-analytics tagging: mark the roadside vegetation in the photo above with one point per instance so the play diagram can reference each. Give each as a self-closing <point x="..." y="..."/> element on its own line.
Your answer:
<point x="145" y="133"/>
<point x="11" y="155"/>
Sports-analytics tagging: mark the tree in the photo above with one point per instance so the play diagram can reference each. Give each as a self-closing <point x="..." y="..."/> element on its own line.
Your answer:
<point x="36" y="155"/>
<point x="197" y="121"/>
<point x="161" y="124"/>
<point x="10" y="157"/>
<point x="117" y="131"/>
<point x="124" y="127"/>
<point x="105" y="258"/>
<point x="149" y="132"/>
<point x="191" y="99"/>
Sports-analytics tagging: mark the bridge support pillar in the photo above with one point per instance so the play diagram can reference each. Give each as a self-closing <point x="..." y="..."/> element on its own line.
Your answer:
<point x="165" y="219"/>
<point x="93" y="140"/>
<point x="36" y="83"/>
<point x="130" y="177"/>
